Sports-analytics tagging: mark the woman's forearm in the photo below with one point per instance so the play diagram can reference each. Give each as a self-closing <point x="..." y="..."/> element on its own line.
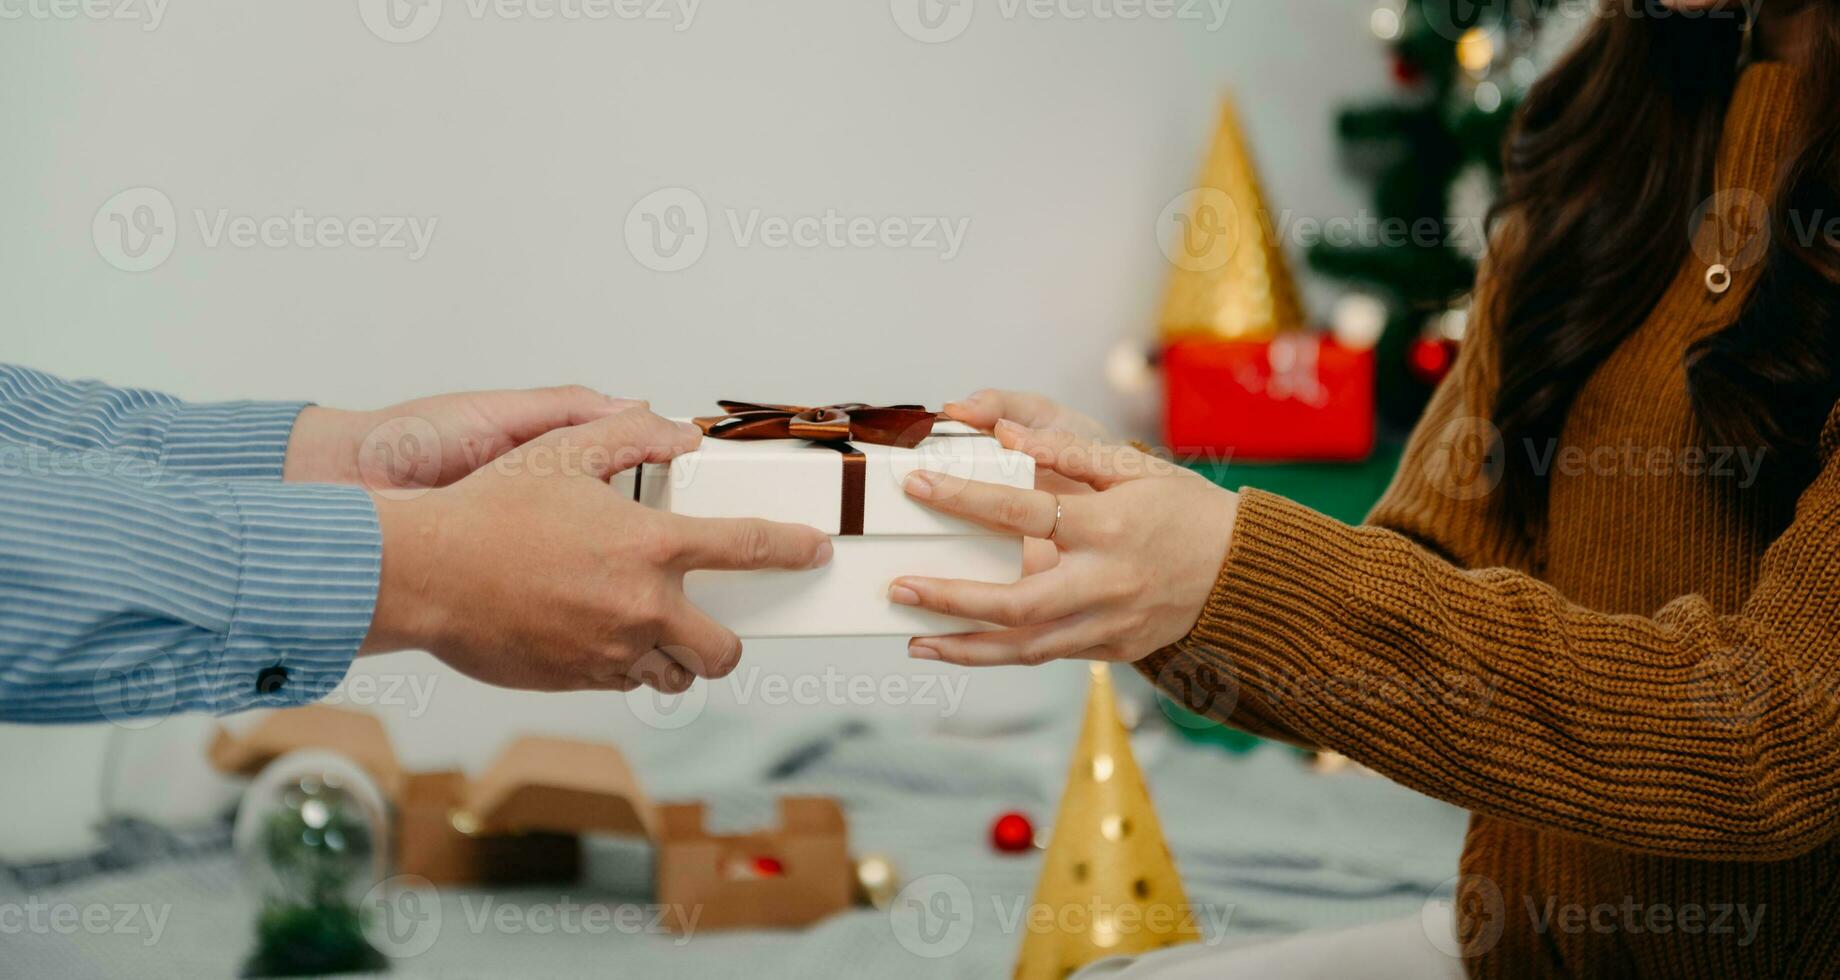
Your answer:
<point x="1686" y="733"/>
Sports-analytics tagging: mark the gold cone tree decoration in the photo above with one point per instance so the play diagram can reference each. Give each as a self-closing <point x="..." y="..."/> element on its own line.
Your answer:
<point x="1108" y="884"/>
<point x="1231" y="280"/>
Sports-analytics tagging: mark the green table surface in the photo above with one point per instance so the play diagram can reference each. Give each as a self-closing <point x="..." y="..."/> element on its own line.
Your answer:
<point x="1344" y="491"/>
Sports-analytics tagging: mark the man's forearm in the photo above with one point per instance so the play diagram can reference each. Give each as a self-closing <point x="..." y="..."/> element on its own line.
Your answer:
<point x="128" y="591"/>
<point x="223" y="440"/>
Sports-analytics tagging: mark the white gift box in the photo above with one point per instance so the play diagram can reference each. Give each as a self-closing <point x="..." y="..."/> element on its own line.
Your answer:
<point x="801" y="482"/>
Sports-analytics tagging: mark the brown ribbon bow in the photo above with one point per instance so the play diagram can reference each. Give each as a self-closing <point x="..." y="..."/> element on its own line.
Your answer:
<point x="902" y="426"/>
<point x="831" y="426"/>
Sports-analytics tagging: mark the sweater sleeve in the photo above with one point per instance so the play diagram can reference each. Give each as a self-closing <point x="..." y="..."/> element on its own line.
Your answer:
<point x="1685" y="733"/>
<point x="1442" y="494"/>
<point x="1439" y="498"/>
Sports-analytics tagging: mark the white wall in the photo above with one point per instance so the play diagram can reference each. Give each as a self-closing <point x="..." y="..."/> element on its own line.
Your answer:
<point x="527" y="142"/>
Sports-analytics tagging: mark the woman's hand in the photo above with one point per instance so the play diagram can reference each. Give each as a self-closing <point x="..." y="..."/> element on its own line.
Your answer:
<point x="433" y="442"/>
<point x="985" y="408"/>
<point x="1138" y="557"/>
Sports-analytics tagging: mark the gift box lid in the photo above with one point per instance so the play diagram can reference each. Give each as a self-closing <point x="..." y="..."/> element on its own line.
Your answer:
<point x="800" y="482"/>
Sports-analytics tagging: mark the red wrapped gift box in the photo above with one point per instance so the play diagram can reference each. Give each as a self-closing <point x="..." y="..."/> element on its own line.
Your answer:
<point x="1297" y="396"/>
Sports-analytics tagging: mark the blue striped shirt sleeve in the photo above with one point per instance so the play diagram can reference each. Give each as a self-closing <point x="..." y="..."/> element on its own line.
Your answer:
<point x="130" y="591"/>
<point x="223" y="440"/>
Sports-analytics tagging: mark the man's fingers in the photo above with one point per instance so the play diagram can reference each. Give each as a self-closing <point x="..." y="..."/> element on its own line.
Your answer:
<point x="1030" y="513"/>
<point x="660" y="671"/>
<point x="1036" y="599"/>
<point x="704" y="647"/>
<point x="1099" y="465"/>
<point x="619" y="684"/>
<point x="613" y="444"/>
<point x="745" y="543"/>
<point x="1027" y="646"/>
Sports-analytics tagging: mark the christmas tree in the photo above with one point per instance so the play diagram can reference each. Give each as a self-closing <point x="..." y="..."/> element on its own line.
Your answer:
<point x="1432" y="150"/>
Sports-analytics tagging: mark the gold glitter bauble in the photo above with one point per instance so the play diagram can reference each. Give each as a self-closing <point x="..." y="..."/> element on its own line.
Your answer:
<point x="878" y="880"/>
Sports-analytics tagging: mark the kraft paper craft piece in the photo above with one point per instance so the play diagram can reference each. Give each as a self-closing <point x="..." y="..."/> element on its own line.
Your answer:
<point x="354" y="735"/>
<point x="553" y="784"/>
<point x="521" y="820"/>
<point x="710" y="874"/>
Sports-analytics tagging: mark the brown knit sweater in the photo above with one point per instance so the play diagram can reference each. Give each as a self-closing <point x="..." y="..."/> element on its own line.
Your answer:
<point x="1639" y="708"/>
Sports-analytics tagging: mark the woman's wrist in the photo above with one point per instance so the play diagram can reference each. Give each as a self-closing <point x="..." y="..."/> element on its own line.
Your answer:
<point x="1216" y="514"/>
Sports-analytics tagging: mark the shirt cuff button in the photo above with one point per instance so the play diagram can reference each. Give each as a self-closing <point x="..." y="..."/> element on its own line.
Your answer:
<point x="271" y="680"/>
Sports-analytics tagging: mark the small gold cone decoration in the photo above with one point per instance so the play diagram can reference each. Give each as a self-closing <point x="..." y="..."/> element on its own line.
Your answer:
<point x="1108" y="885"/>
<point x="1231" y="280"/>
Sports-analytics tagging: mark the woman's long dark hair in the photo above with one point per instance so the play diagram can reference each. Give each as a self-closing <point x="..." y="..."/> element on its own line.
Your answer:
<point x="1607" y="163"/>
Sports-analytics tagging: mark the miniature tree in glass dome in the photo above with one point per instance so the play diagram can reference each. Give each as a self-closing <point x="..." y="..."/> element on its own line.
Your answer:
<point x="310" y="835"/>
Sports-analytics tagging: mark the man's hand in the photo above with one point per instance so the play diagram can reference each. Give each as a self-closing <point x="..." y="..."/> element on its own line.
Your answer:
<point x="533" y="573"/>
<point x="432" y="442"/>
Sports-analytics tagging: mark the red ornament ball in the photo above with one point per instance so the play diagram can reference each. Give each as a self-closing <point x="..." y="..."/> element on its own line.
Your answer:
<point x="768" y="867"/>
<point x="1406" y="71"/>
<point x="1012" y="833"/>
<point x="1430" y="359"/>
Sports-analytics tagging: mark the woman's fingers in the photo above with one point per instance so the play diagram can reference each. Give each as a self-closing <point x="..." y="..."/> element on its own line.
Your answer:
<point x="1030" y="513"/>
<point x="1038" y="556"/>
<point x="983" y="409"/>
<point x="1035" y="599"/>
<point x="1099" y="465"/>
<point x="1026" y="646"/>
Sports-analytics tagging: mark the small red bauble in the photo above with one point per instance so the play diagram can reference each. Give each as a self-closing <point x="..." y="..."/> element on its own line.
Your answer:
<point x="768" y="867"/>
<point x="1430" y="359"/>
<point x="1012" y="833"/>
<point x="1405" y="71"/>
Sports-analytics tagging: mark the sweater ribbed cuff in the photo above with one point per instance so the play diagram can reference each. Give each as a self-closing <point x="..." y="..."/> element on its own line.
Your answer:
<point x="1291" y="593"/>
<point x="1282" y="568"/>
<point x="308" y="576"/>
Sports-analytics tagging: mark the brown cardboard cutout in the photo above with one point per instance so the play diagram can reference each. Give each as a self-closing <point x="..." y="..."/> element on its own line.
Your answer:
<point x="704" y="880"/>
<point x="520" y="822"/>
<point x="431" y="845"/>
<point x="554" y="784"/>
<point x="356" y="736"/>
